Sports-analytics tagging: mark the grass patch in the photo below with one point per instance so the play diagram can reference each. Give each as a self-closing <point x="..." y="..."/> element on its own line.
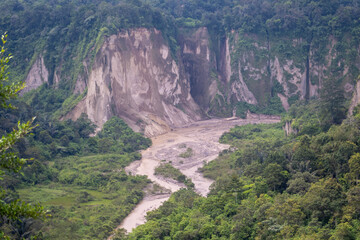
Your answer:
<point x="66" y="197"/>
<point x="40" y="193"/>
<point x="93" y="193"/>
<point x="61" y="201"/>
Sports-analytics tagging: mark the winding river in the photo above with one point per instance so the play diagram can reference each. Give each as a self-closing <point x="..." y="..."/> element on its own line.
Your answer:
<point x="203" y="138"/>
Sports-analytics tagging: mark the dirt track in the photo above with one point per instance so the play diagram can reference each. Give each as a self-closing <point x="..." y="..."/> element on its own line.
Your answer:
<point x="203" y="138"/>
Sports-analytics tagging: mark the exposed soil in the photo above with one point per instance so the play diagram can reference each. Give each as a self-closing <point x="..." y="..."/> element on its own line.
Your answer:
<point x="203" y="138"/>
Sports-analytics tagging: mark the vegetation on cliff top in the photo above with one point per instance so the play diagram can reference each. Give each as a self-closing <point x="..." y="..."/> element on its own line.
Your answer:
<point x="63" y="30"/>
<point x="68" y="35"/>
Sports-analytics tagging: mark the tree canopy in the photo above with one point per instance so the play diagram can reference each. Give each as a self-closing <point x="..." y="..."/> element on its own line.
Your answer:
<point x="12" y="210"/>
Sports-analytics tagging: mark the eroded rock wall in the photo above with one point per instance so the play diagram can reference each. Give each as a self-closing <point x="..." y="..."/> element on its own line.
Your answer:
<point x="355" y="99"/>
<point x="199" y="64"/>
<point x="37" y="75"/>
<point x="266" y="66"/>
<point x="135" y="77"/>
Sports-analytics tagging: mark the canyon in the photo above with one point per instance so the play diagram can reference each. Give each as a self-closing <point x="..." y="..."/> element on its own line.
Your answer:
<point x="176" y="96"/>
<point x="136" y="76"/>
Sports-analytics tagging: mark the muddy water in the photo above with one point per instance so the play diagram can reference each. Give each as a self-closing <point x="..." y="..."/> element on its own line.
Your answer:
<point x="203" y="138"/>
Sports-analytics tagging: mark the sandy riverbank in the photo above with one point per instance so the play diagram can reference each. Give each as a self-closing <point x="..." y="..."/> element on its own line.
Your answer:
<point x="203" y="138"/>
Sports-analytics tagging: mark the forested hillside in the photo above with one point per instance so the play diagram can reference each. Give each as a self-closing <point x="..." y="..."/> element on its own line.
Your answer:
<point x="78" y="179"/>
<point x="284" y="43"/>
<point x="67" y="29"/>
<point x="271" y="186"/>
<point x="98" y="69"/>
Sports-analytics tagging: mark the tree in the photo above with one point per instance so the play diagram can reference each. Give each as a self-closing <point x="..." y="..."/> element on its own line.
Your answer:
<point x="352" y="210"/>
<point x="333" y="110"/>
<point x="276" y="177"/>
<point x="343" y="231"/>
<point x="300" y="183"/>
<point x="354" y="165"/>
<point x="12" y="210"/>
<point x="286" y="211"/>
<point x="324" y="200"/>
<point x="6" y="91"/>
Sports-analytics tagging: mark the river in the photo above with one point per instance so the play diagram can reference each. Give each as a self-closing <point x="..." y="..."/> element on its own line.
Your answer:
<point x="203" y="138"/>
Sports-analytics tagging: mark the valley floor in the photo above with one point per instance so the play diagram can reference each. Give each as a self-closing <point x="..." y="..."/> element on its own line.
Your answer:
<point x="202" y="140"/>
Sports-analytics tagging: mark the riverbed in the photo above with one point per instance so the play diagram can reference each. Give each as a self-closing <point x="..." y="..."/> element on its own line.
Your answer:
<point x="203" y="138"/>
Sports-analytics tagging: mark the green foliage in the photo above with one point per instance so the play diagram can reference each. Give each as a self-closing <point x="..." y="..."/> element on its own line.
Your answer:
<point x="6" y="91"/>
<point x="270" y="186"/>
<point x="168" y="171"/>
<point x="305" y="118"/>
<point x="354" y="165"/>
<point x="80" y="179"/>
<point x="45" y="99"/>
<point x="9" y="160"/>
<point x="333" y="109"/>
<point x="92" y="193"/>
<point x="12" y="209"/>
<point x="300" y="183"/>
<point x="219" y="107"/>
<point x="83" y="185"/>
<point x="324" y="199"/>
<point x="277" y="88"/>
<point x="66" y="105"/>
<point x="273" y="107"/>
<point x="125" y="139"/>
<point x="276" y="177"/>
<point x="187" y="154"/>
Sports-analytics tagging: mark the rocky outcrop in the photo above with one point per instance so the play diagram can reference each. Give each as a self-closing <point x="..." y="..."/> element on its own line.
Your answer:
<point x="210" y="72"/>
<point x="81" y="81"/>
<point x="289" y="76"/>
<point x="37" y="75"/>
<point x="199" y="62"/>
<point x="240" y="90"/>
<point x="289" y="129"/>
<point x="264" y="67"/>
<point x="355" y="99"/>
<point x="135" y="77"/>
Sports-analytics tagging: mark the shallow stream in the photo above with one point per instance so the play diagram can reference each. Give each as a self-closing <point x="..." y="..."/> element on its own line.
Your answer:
<point x="203" y="138"/>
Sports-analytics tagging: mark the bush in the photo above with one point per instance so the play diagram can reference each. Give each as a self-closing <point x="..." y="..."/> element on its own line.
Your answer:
<point x="187" y="154"/>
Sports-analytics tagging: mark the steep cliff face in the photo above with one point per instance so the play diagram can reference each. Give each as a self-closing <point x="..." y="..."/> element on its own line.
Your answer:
<point x="245" y="68"/>
<point x="37" y="75"/>
<point x="199" y="63"/>
<point x="262" y="68"/>
<point x="211" y="73"/>
<point x="261" y="65"/>
<point x="355" y="99"/>
<point x="135" y="77"/>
